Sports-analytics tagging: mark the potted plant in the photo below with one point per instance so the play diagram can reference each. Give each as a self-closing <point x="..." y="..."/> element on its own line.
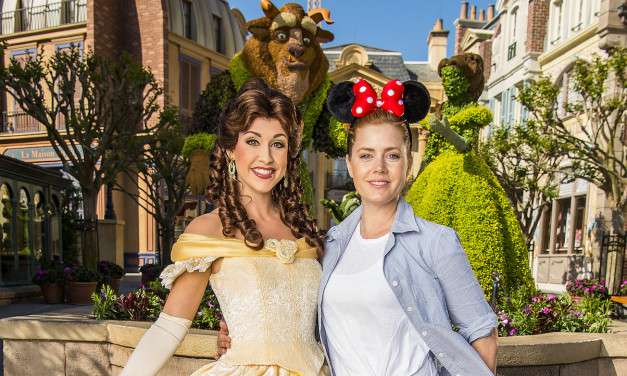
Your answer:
<point x="50" y="278"/>
<point x="111" y="274"/>
<point x="150" y="272"/>
<point x="82" y="282"/>
<point x="582" y="287"/>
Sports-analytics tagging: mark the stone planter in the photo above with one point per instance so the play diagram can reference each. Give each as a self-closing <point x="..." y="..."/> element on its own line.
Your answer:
<point x="80" y="292"/>
<point x="75" y="345"/>
<point x="52" y="293"/>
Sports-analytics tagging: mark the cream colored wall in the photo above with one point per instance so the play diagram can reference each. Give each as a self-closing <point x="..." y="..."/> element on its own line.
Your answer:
<point x="41" y="40"/>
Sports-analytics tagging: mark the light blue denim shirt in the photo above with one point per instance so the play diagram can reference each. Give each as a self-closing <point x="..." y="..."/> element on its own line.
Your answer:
<point x="429" y="273"/>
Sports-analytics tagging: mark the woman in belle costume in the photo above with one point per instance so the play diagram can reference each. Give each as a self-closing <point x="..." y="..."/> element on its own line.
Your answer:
<point x="258" y="249"/>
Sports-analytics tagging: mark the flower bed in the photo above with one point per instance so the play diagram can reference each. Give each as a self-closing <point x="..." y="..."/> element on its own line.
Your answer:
<point x="145" y="304"/>
<point x="532" y="312"/>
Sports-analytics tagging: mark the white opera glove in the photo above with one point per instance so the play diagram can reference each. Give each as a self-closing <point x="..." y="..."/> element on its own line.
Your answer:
<point x="157" y="346"/>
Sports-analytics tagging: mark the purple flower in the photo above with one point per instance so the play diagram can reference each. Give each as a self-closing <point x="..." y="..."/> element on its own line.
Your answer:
<point x="587" y="290"/>
<point x="67" y="269"/>
<point x="545" y="310"/>
<point x="513" y="332"/>
<point x="550" y="297"/>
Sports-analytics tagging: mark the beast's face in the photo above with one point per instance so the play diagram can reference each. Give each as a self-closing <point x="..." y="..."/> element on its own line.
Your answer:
<point x="285" y="48"/>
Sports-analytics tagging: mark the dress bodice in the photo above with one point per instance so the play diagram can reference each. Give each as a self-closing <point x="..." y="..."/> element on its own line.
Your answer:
<point x="270" y="308"/>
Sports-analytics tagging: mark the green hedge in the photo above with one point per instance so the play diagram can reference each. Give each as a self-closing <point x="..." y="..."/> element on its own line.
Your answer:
<point x="460" y="191"/>
<point x="305" y="181"/>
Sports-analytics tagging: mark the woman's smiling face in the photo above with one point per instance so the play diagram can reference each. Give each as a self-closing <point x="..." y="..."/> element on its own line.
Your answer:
<point x="261" y="156"/>
<point x="378" y="162"/>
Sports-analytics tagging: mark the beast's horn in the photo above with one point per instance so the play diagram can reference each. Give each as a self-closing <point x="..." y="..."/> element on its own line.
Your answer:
<point x="269" y="9"/>
<point x="319" y="14"/>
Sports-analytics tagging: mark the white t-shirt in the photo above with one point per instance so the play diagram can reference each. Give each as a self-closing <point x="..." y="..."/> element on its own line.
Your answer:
<point x="368" y="332"/>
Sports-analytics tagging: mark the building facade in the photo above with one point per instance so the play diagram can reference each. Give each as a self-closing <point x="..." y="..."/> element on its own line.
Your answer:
<point x="527" y="39"/>
<point x="183" y="42"/>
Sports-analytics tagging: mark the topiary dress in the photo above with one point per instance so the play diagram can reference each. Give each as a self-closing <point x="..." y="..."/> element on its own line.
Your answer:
<point x="268" y="298"/>
<point x="458" y="189"/>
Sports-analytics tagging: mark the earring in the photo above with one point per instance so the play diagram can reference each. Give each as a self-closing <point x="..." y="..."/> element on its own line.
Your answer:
<point x="232" y="170"/>
<point x="285" y="182"/>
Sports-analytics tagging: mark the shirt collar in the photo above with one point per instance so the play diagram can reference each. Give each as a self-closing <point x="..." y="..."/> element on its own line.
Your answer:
<point x="404" y="221"/>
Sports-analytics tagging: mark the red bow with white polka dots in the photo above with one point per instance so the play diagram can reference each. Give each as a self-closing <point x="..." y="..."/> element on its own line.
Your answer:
<point x="366" y="99"/>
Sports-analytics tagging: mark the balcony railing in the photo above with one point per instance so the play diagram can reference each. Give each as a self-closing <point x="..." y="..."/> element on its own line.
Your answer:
<point x="44" y="16"/>
<point x="21" y="122"/>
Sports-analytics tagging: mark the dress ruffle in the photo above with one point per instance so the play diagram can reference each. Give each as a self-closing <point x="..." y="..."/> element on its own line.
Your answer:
<point x="173" y="271"/>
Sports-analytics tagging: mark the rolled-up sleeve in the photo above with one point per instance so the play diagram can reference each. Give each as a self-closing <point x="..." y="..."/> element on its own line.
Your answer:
<point x="466" y="304"/>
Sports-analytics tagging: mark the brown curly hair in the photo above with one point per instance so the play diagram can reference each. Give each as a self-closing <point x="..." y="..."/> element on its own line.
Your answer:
<point x="471" y="66"/>
<point x="257" y="100"/>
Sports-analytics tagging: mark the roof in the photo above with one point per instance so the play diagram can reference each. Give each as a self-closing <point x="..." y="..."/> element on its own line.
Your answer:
<point x="388" y="63"/>
<point x="340" y="47"/>
<point x="29" y="172"/>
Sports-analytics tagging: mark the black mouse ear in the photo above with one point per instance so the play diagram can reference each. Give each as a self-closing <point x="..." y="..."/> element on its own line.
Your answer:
<point x="417" y="101"/>
<point x="340" y="101"/>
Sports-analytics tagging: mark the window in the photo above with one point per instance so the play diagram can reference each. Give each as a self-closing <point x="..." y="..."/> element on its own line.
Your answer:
<point x="189" y="84"/>
<point x="188" y="30"/>
<point x="24" y="238"/>
<point x="567" y="96"/>
<point x="578" y="16"/>
<point x="511" y="51"/>
<point x="580" y="213"/>
<point x="217" y="33"/>
<point x="67" y="47"/>
<point x="39" y="225"/>
<point x="7" y="226"/>
<point x="558" y="18"/>
<point x="562" y="236"/>
<point x="513" y="26"/>
<point x="508" y="107"/>
<point x="16" y="119"/>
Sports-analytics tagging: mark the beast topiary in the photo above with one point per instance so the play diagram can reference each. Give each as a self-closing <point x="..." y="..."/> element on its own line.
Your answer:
<point x="284" y="50"/>
<point x="458" y="189"/>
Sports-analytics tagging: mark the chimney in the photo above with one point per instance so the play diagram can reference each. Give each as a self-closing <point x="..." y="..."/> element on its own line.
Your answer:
<point x="490" y="12"/>
<point x="482" y="15"/>
<point x="463" y="12"/>
<point x="437" y="43"/>
<point x="473" y="12"/>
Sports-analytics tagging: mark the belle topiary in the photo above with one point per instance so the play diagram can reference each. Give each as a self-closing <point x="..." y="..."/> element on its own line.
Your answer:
<point x="458" y="189"/>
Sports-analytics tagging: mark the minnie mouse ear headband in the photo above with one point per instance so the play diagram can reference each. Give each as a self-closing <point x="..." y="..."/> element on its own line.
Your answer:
<point x="349" y="101"/>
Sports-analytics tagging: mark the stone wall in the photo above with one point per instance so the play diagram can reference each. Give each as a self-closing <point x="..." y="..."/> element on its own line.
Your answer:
<point x="77" y="346"/>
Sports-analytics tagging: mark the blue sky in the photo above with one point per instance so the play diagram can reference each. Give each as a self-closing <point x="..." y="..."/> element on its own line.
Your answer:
<point x="398" y="25"/>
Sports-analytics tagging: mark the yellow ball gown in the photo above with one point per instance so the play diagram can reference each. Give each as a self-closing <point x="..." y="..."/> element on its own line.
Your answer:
<point x="268" y="298"/>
